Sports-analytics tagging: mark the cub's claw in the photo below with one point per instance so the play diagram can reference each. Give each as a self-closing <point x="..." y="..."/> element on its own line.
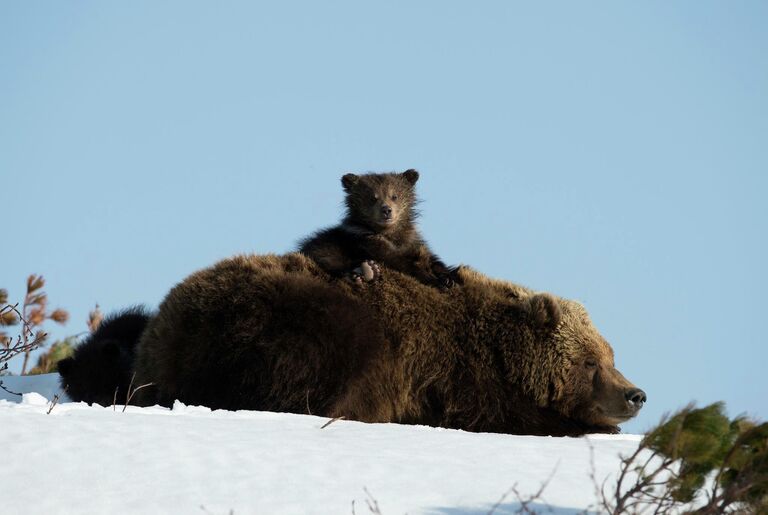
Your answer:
<point x="449" y="279"/>
<point x="355" y="277"/>
<point x="446" y="282"/>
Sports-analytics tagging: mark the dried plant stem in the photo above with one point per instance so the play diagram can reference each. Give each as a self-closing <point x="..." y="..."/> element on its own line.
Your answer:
<point x="373" y="504"/>
<point x="53" y="404"/>
<point x="332" y="421"/>
<point x="524" y="502"/>
<point x="132" y="391"/>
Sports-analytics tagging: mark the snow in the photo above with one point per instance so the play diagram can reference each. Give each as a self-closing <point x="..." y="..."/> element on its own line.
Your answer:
<point x="83" y="459"/>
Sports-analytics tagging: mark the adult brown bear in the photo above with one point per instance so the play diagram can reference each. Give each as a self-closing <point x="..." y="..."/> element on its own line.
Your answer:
<point x="276" y="333"/>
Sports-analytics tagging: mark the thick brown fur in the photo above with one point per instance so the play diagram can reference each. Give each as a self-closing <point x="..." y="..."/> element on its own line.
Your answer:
<point x="101" y="367"/>
<point x="276" y="333"/>
<point x="379" y="225"/>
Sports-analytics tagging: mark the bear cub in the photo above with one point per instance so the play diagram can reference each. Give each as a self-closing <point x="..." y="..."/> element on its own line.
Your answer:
<point x="101" y="368"/>
<point x="379" y="227"/>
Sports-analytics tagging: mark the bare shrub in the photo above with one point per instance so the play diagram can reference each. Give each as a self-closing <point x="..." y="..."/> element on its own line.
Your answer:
<point x="32" y="315"/>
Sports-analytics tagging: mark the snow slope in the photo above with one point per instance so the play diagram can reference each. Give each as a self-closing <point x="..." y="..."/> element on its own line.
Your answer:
<point x="81" y="459"/>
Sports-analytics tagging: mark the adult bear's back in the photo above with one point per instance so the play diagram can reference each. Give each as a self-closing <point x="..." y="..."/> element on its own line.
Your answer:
<point x="275" y="333"/>
<point x="258" y="332"/>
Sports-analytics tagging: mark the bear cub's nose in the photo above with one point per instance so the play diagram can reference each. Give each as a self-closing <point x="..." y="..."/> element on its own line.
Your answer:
<point x="636" y="397"/>
<point x="386" y="211"/>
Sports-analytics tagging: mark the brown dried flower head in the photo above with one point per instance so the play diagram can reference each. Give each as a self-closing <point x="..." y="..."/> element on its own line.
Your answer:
<point x="59" y="316"/>
<point x="94" y="319"/>
<point x="35" y="282"/>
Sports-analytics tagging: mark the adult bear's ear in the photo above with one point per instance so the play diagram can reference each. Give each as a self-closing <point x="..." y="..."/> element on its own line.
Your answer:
<point x="65" y="366"/>
<point x="544" y="311"/>
<point x="349" y="180"/>
<point x="411" y="176"/>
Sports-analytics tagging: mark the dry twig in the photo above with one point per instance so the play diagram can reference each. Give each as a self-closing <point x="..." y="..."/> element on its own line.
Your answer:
<point x="25" y="343"/>
<point x="525" y="502"/>
<point x="373" y="504"/>
<point x="53" y="403"/>
<point x="332" y="421"/>
<point x="132" y="391"/>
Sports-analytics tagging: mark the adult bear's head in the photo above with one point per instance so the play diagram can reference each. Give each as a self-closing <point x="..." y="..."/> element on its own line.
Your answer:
<point x="570" y="366"/>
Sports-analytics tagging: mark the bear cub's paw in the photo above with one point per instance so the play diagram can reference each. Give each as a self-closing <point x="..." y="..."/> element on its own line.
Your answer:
<point x="368" y="271"/>
<point x="448" y="279"/>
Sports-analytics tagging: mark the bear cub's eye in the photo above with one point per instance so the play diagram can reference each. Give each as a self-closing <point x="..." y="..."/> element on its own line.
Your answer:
<point x="394" y="197"/>
<point x="590" y="363"/>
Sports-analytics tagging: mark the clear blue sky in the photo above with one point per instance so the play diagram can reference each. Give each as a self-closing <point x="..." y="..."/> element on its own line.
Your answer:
<point x="611" y="152"/>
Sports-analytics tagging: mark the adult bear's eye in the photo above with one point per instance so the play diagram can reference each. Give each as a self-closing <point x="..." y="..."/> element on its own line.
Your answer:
<point x="590" y="363"/>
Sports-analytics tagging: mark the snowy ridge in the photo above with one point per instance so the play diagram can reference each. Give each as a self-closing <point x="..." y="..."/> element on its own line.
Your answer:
<point x="82" y="459"/>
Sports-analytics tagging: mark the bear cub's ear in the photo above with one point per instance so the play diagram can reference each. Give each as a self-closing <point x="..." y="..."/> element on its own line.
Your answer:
<point x="349" y="180"/>
<point x="411" y="176"/>
<point x="65" y="366"/>
<point x="544" y="311"/>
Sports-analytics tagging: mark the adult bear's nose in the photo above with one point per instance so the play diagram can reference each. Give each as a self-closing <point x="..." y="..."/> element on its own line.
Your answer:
<point x="635" y="397"/>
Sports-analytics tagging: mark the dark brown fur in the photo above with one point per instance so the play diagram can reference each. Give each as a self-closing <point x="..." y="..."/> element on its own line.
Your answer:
<point x="273" y="333"/>
<point x="102" y="364"/>
<point x="378" y="226"/>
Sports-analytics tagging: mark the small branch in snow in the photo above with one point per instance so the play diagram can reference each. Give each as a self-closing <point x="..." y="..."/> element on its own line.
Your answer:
<point x="132" y="391"/>
<point x="56" y="400"/>
<point x="599" y="487"/>
<point x="372" y="503"/>
<point x="53" y="403"/>
<point x="525" y="502"/>
<point x="332" y="421"/>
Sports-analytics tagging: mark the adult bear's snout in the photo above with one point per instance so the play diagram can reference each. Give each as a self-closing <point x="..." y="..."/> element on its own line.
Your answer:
<point x="635" y="397"/>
